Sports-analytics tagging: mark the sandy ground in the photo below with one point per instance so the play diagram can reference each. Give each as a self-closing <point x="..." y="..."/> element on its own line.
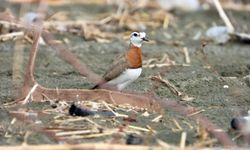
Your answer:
<point x="230" y="64"/>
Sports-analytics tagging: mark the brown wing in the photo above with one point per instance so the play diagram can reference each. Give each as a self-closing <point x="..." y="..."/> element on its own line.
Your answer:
<point x="116" y="68"/>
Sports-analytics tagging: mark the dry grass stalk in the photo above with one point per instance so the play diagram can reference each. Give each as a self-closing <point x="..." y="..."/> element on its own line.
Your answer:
<point x="203" y="144"/>
<point x="89" y="146"/>
<point x="166" y="22"/>
<point x="9" y="127"/>
<point x="177" y="125"/>
<point x="183" y="140"/>
<point x="94" y="135"/>
<point x="157" y="119"/>
<point x="165" y="145"/>
<point x="67" y="133"/>
<point x="197" y="112"/>
<point x="172" y="88"/>
<point x="223" y="16"/>
<point x="12" y="36"/>
<point x="186" y="54"/>
<point x="70" y="120"/>
<point x="202" y="134"/>
<point x="139" y="128"/>
<point x="237" y="136"/>
<point x="32" y="90"/>
<point x="188" y="124"/>
<point x="25" y="139"/>
<point x="94" y="123"/>
<point x="154" y="62"/>
<point x="164" y="65"/>
<point x="62" y="128"/>
<point x="115" y="113"/>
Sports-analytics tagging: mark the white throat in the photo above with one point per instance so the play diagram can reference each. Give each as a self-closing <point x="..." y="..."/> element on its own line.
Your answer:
<point x="136" y="44"/>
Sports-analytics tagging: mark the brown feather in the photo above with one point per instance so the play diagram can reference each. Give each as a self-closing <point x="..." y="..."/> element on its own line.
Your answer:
<point x="117" y="67"/>
<point x="134" y="56"/>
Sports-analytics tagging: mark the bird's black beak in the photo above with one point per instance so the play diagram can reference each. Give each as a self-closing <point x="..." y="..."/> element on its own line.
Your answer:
<point x="145" y="39"/>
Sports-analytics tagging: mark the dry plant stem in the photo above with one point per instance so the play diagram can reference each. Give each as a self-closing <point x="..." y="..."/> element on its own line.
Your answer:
<point x="11" y="36"/>
<point x="139" y="128"/>
<point x="203" y="144"/>
<point x="67" y="133"/>
<point x="177" y="125"/>
<point x="9" y="127"/>
<point x="94" y="123"/>
<point x="167" y="83"/>
<point x="183" y="140"/>
<point x="186" y="54"/>
<point x="26" y="100"/>
<point x="163" y="65"/>
<point x="157" y="119"/>
<point x="197" y="112"/>
<point x="237" y="136"/>
<point x="165" y="145"/>
<point x="26" y="136"/>
<point x="82" y="147"/>
<point x="115" y="113"/>
<point x="223" y="16"/>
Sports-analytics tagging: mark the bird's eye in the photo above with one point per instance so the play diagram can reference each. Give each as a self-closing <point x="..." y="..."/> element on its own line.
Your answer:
<point x="135" y="34"/>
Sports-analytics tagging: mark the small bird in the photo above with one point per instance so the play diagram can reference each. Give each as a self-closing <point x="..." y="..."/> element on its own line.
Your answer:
<point x="127" y="67"/>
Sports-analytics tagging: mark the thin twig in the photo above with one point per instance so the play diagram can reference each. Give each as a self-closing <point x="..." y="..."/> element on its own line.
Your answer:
<point x="183" y="140"/>
<point x="12" y="36"/>
<point x="197" y="112"/>
<point x="186" y="54"/>
<point x="115" y="113"/>
<point x="177" y="125"/>
<point x="29" y="94"/>
<point x="67" y="133"/>
<point x="156" y="119"/>
<point x="139" y="128"/>
<point x="85" y="146"/>
<point x="164" y="65"/>
<point x="223" y="16"/>
<point x="166" y="83"/>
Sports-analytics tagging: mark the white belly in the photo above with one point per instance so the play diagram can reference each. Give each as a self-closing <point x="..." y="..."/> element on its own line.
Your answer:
<point x="127" y="77"/>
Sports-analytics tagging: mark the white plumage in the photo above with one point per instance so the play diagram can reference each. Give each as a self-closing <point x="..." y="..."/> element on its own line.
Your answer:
<point x="127" y="77"/>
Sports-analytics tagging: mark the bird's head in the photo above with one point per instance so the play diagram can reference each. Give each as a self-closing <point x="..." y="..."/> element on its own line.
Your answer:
<point x="137" y="38"/>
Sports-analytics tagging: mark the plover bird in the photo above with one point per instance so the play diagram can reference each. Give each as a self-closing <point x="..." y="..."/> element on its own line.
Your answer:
<point x="127" y="67"/>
